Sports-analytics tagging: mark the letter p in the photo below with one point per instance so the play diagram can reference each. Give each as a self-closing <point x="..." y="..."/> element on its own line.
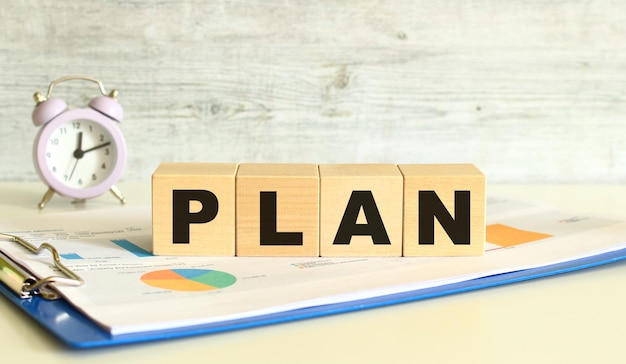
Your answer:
<point x="182" y="217"/>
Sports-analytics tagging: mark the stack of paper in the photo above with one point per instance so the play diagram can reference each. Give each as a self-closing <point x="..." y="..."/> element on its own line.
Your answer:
<point x="130" y="291"/>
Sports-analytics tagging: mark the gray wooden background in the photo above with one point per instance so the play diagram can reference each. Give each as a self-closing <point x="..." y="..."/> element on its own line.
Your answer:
<point x="529" y="91"/>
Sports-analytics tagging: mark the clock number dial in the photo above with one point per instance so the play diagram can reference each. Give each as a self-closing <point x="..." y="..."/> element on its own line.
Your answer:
<point x="79" y="152"/>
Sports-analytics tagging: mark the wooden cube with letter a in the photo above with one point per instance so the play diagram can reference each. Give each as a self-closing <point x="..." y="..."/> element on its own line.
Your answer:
<point x="277" y="210"/>
<point x="444" y="210"/>
<point x="193" y="209"/>
<point x="360" y="210"/>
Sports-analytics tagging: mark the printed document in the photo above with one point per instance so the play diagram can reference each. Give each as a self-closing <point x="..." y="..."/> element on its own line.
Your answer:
<point x="129" y="290"/>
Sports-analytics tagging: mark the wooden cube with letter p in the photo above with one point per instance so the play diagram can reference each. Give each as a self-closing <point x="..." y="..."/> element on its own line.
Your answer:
<point x="360" y="210"/>
<point x="277" y="210"/>
<point x="193" y="209"/>
<point x="444" y="210"/>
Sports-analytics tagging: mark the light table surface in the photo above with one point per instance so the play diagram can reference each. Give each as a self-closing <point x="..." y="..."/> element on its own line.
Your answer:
<point x="573" y="318"/>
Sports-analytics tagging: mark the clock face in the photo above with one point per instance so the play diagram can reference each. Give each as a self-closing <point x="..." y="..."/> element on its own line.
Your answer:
<point x="80" y="153"/>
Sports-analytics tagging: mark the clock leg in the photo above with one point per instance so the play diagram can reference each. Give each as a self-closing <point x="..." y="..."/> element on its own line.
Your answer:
<point x="116" y="192"/>
<point x="46" y="197"/>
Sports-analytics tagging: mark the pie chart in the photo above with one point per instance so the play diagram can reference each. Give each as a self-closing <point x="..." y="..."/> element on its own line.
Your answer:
<point x="188" y="280"/>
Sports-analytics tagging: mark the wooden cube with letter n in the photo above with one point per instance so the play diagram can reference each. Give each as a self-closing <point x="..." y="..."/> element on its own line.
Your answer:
<point x="193" y="209"/>
<point x="444" y="210"/>
<point x="277" y="210"/>
<point x="360" y="210"/>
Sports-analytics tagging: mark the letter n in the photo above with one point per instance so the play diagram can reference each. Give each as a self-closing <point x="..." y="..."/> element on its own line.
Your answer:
<point x="457" y="228"/>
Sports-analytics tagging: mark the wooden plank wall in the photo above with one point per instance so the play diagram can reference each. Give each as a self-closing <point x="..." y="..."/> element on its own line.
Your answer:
<point x="529" y="91"/>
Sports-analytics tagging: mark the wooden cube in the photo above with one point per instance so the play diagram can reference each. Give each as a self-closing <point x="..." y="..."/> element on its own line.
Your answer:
<point x="444" y="210"/>
<point x="193" y="209"/>
<point x="360" y="210"/>
<point x="277" y="210"/>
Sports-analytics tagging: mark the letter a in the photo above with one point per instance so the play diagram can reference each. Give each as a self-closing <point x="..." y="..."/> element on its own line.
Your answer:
<point x="374" y="227"/>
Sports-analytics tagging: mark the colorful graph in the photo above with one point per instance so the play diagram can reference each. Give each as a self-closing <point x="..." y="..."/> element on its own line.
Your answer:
<point x="132" y="248"/>
<point x="507" y="236"/>
<point x="126" y="245"/>
<point x="190" y="280"/>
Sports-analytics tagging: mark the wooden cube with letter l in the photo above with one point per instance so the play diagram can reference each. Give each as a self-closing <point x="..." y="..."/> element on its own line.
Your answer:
<point x="277" y="210"/>
<point x="360" y="210"/>
<point x="193" y="209"/>
<point x="444" y="210"/>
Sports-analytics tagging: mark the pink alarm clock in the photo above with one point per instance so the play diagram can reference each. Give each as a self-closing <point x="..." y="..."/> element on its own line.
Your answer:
<point x="79" y="153"/>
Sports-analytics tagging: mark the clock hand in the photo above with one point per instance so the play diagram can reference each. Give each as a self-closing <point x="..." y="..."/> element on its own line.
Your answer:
<point x="78" y="153"/>
<point x="96" y="147"/>
<point x="73" y="169"/>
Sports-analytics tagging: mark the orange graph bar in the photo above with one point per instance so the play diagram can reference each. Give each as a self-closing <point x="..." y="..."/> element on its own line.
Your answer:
<point x="507" y="236"/>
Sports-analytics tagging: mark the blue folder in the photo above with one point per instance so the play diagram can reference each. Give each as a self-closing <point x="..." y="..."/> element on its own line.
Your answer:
<point x="74" y="329"/>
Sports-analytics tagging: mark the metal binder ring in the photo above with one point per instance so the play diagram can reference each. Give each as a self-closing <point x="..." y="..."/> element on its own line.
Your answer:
<point x="30" y="284"/>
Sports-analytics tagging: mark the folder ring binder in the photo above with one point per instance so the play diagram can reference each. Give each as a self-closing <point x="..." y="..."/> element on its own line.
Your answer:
<point x="23" y="282"/>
